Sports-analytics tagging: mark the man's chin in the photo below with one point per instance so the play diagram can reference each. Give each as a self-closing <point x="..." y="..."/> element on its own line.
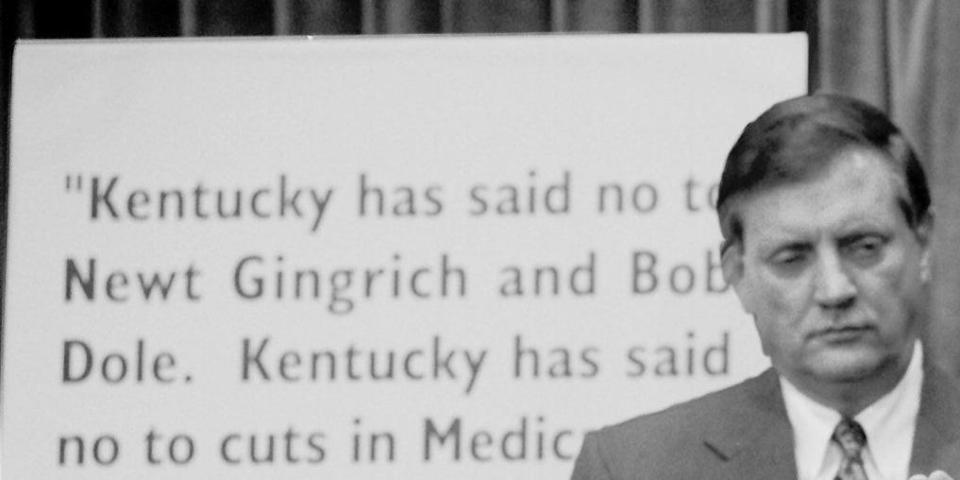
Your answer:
<point x="850" y="367"/>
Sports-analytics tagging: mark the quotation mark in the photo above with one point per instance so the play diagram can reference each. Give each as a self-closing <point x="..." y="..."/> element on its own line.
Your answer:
<point x="74" y="183"/>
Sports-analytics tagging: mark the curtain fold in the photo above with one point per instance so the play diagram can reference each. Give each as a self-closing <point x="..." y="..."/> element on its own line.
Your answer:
<point x="601" y="16"/>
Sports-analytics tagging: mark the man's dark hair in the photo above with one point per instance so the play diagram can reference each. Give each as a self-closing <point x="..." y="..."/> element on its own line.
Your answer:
<point x="797" y="139"/>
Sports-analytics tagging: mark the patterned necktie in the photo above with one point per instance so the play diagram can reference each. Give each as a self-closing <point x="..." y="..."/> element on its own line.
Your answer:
<point x="851" y="439"/>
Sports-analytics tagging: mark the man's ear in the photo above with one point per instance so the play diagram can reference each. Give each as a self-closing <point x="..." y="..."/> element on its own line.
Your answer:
<point x="731" y="262"/>
<point x="924" y="232"/>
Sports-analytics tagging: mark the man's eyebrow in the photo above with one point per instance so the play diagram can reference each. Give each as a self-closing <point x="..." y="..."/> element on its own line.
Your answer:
<point x="783" y="233"/>
<point x="868" y="225"/>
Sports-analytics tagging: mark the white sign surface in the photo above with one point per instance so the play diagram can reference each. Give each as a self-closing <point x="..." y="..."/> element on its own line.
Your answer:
<point x="367" y="258"/>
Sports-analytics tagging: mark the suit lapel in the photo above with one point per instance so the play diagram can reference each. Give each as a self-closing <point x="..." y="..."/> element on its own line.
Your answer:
<point x="753" y="436"/>
<point x="936" y="441"/>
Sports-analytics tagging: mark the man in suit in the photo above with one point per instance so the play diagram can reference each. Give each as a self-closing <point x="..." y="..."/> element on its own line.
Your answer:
<point x="825" y="214"/>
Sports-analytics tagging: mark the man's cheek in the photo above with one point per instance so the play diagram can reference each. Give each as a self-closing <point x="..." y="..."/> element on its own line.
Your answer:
<point x="893" y="293"/>
<point x="781" y="303"/>
<point x="762" y="293"/>
<point x="899" y="274"/>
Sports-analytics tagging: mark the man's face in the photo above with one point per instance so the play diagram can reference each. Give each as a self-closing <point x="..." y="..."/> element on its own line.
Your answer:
<point x="833" y="273"/>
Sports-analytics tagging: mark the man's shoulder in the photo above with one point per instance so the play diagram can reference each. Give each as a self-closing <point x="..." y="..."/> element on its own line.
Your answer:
<point x="693" y="416"/>
<point x="673" y="443"/>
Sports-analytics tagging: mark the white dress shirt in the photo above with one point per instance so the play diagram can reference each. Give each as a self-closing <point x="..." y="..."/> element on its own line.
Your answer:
<point x="889" y="424"/>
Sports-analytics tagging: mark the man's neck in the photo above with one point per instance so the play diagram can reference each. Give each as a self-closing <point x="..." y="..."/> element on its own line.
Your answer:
<point x="889" y="423"/>
<point x="850" y="398"/>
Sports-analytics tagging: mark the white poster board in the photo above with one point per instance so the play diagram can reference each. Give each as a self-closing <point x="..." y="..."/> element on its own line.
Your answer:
<point x="359" y="258"/>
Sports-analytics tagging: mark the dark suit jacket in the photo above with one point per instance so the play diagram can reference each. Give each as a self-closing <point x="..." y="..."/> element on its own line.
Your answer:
<point x="743" y="433"/>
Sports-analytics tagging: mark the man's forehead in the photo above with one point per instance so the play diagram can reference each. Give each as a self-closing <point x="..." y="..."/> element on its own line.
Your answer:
<point x="862" y="162"/>
<point x="863" y="181"/>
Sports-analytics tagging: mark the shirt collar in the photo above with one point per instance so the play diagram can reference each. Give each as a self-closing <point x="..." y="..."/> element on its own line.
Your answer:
<point x="891" y="420"/>
<point x="889" y="424"/>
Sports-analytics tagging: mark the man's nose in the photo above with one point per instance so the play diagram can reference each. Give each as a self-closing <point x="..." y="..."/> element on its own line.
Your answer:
<point x="833" y="286"/>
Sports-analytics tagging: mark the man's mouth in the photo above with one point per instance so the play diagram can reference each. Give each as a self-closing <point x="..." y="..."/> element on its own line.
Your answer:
<point x="842" y="333"/>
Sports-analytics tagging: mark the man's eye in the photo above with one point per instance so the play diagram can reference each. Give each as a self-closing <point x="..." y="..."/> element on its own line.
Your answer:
<point x="867" y="247"/>
<point x="788" y="258"/>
